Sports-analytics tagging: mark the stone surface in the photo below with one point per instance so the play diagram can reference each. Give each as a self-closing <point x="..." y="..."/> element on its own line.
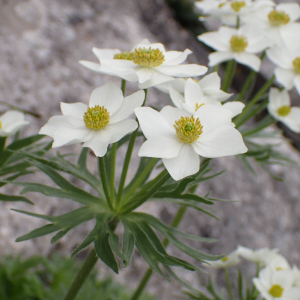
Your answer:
<point x="41" y="43"/>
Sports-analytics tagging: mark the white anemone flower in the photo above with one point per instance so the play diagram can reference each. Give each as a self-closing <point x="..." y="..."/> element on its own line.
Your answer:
<point x="288" y="61"/>
<point x="262" y="256"/>
<point x="179" y="137"/>
<point x="11" y="121"/>
<point x="276" y="285"/>
<point x="194" y="98"/>
<point x="101" y="123"/>
<point x="280" y="108"/>
<point x="278" y="263"/>
<point x="149" y="64"/>
<point x="229" y="10"/>
<point x="230" y="260"/>
<point x="279" y="23"/>
<point x="238" y="44"/>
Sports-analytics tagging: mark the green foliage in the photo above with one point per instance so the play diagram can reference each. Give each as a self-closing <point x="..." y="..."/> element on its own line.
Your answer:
<point x="37" y="278"/>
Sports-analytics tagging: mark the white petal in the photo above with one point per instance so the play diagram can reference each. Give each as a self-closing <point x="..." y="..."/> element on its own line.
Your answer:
<point x="172" y="114"/>
<point x="292" y="120"/>
<point x="105" y="53"/>
<point x="261" y="288"/>
<point x="97" y="144"/>
<point x="108" y="95"/>
<point x="284" y="278"/>
<point x="118" y="130"/>
<point x="278" y="55"/>
<point x="297" y="83"/>
<point x="161" y="147"/>
<point x="211" y="81"/>
<point x="145" y="74"/>
<point x="222" y="141"/>
<point x="248" y="59"/>
<point x="176" y="97"/>
<point x="193" y="93"/>
<point x="70" y="136"/>
<point x="12" y="121"/>
<point x="185" y="164"/>
<point x="73" y="109"/>
<point x="152" y="122"/>
<point x="216" y="58"/>
<point x="128" y="105"/>
<point x="292" y="294"/>
<point x="176" y="57"/>
<point x="292" y="9"/>
<point x="285" y="77"/>
<point x="190" y="70"/>
<point x="157" y="78"/>
<point x="279" y="98"/>
<point x="235" y="107"/>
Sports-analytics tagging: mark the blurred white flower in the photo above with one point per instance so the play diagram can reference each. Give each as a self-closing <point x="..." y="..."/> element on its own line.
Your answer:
<point x="11" y="121"/>
<point x="262" y="256"/>
<point x="280" y="108"/>
<point x="238" y="44"/>
<point x="101" y="123"/>
<point x="276" y="285"/>
<point x="279" y="23"/>
<point x="194" y="97"/>
<point x="229" y="10"/>
<point x="288" y="61"/>
<point x="149" y="64"/>
<point x="179" y="137"/>
<point x="230" y="260"/>
<point x="278" y="263"/>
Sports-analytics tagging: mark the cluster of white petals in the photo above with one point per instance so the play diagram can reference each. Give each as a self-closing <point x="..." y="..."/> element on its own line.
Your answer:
<point x="208" y="132"/>
<point x="10" y="122"/>
<point x="102" y="122"/>
<point x="238" y="44"/>
<point x="230" y="260"/>
<point x="161" y="67"/>
<point x="280" y="108"/>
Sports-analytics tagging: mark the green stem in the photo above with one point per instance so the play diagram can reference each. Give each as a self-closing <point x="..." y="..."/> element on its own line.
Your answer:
<point x="228" y="284"/>
<point x="246" y="85"/>
<point x="145" y="195"/>
<point x="104" y="181"/>
<point x="142" y="176"/>
<point x="82" y="275"/>
<point x="237" y="22"/>
<point x="112" y="171"/>
<point x="176" y="221"/>
<point x="230" y="69"/>
<point x="123" y="86"/>
<point x="2" y="143"/>
<point x="239" y="119"/>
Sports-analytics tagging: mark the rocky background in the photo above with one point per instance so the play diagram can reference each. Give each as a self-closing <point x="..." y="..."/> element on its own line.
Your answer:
<point x="41" y="42"/>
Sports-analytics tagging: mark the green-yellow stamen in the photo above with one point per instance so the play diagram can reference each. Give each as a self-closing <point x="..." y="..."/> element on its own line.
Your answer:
<point x="96" y="117"/>
<point x="276" y="290"/>
<point x="188" y="129"/>
<point x="148" y="57"/>
<point x="284" y="110"/>
<point x="278" y="17"/>
<point x="123" y="55"/>
<point x="238" y="5"/>
<point x="296" y="64"/>
<point x="197" y="106"/>
<point x="225" y="258"/>
<point x="238" y="43"/>
<point x="0" y="125"/>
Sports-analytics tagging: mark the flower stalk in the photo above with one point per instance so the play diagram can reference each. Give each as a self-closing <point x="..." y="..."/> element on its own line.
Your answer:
<point x="102" y="174"/>
<point x="230" y="69"/>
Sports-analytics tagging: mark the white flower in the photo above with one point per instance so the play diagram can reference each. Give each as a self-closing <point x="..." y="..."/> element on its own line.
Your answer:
<point x="296" y="273"/>
<point x="101" y="123"/>
<point x="230" y="260"/>
<point x="194" y="97"/>
<point x="276" y="285"/>
<point x="11" y="121"/>
<point x="278" y="263"/>
<point x="288" y="61"/>
<point x="238" y="44"/>
<point x="262" y="256"/>
<point x="179" y="137"/>
<point x="229" y="10"/>
<point x="149" y="64"/>
<point x="279" y="22"/>
<point x="280" y="108"/>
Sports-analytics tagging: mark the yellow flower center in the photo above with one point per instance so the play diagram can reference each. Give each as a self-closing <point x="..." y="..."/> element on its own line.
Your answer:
<point x="284" y="110"/>
<point x="278" y="18"/>
<point x="238" y="43"/>
<point x="197" y="106"/>
<point x="0" y="125"/>
<point x="188" y="129"/>
<point x="278" y="269"/>
<point x="296" y="64"/>
<point x="96" y="117"/>
<point x="238" y="5"/>
<point x="148" y="57"/>
<point x="123" y="55"/>
<point x="225" y="258"/>
<point x="276" y="290"/>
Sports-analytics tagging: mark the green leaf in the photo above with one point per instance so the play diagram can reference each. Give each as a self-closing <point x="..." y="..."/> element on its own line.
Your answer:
<point x="211" y="289"/>
<point x="18" y="144"/>
<point x="103" y="248"/>
<point x="14" y="198"/>
<point x="81" y="163"/>
<point x="240" y="285"/>
<point x="173" y="195"/>
<point x="44" y="230"/>
<point x="59" y="235"/>
<point x="44" y="217"/>
<point x="128" y="245"/>
<point x="114" y="243"/>
<point x="14" y="169"/>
